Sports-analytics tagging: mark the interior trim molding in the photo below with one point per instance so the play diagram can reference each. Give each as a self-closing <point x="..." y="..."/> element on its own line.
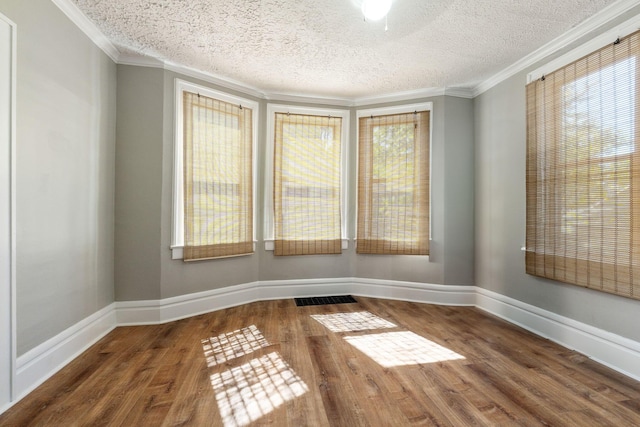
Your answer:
<point x="8" y="104"/>
<point x="88" y="27"/>
<point x="606" y="15"/>
<point x="152" y="312"/>
<point x="595" y="43"/>
<point x="411" y="95"/>
<point x="614" y="351"/>
<point x="40" y="363"/>
<point x="99" y="39"/>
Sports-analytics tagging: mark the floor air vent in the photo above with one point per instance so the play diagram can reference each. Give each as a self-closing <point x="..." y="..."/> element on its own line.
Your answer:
<point x="341" y="299"/>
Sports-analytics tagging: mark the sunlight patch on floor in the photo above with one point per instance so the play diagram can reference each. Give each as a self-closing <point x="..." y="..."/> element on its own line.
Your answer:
<point x="247" y="392"/>
<point x="350" y="322"/>
<point x="232" y="345"/>
<point x="391" y="349"/>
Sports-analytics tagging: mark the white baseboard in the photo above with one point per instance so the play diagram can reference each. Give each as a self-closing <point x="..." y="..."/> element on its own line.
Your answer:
<point x="415" y="292"/>
<point x="175" y="308"/>
<point x="169" y="309"/>
<point x="40" y="363"/>
<point x="614" y="351"/>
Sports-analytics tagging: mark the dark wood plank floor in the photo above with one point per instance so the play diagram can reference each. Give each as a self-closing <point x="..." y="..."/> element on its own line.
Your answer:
<point x="374" y="363"/>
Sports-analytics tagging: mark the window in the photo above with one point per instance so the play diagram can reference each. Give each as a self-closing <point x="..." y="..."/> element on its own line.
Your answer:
<point x="213" y="212"/>
<point x="393" y="180"/>
<point x="583" y="171"/>
<point x="307" y="198"/>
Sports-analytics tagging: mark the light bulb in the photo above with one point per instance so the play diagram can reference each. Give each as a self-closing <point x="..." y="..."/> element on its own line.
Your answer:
<point x="374" y="10"/>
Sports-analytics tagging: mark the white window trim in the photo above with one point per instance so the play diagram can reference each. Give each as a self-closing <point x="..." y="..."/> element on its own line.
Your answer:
<point x="8" y="85"/>
<point x="399" y="109"/>
<point x="272" y="109"/>
<point x="591" y="46"/>
<point x="177" y="226"/>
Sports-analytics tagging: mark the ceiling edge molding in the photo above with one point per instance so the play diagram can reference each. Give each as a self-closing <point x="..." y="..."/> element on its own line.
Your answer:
<point x="291" y="97"/>
<point x="459" y="92"/>
<point x="398" y="96"/>
<point x="593" y="23"/>
<point x="100" y="40"/>
<point x="210" y="78"/>
<point x="89" y="28"/>
<point x="308" y="99"/>
<point x="140" y="61"/>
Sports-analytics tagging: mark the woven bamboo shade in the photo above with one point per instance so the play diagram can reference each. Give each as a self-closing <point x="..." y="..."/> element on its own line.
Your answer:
<point x="218" y="200"/>
<point x="393" y="184"/>
<point x="583" y="171"/>
<point x="307" y="153"/>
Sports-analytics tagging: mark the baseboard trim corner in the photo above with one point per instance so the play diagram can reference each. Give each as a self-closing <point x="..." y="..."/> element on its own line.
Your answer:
<point x="40" y="363"/>
<point x="152" y="312"/>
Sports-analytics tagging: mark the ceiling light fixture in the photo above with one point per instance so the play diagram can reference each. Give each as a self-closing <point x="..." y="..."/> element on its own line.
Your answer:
<point x="375" y="10"/>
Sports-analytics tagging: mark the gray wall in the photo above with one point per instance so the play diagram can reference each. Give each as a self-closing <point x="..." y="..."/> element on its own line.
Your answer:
<point x="68" y="176"/>
<point x="451" y="247"/>
<point x="144" y="266"/>
<point x="64" y="173"/>
<point x="412" y="268"/>
<point x="500" y="140"/>
<point x="178" y="277"/>
<point x="138" y="182"/>
<point x="458" y="206"/>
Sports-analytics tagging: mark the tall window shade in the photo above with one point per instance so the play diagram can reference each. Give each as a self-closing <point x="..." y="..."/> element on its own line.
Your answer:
<point x="583" y="171"/>
<point x="218" y="201"/>
<point x="393" y="184"/>
<point x="307" y="153"/>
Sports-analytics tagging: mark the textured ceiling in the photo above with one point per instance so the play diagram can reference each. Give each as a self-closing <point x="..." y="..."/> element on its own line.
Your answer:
<point x="325" y="48"/>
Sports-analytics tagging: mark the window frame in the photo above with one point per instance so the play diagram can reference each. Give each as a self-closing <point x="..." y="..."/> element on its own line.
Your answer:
<point x="268" y="217"/>
<point x="177" y="223"/>
<point x="399" y="109"/>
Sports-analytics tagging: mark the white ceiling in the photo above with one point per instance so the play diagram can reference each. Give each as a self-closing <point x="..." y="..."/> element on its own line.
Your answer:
<point x="325" y="48"/>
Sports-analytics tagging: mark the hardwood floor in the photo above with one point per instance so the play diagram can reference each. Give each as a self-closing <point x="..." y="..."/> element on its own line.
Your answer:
<point x="374" y="363"/>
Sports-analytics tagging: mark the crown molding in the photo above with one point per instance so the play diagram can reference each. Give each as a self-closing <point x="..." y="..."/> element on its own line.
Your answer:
<point x="89" y="28"/>
<point x="307" y="99"/>
<point x="219" y="81"/>
<point x="139" y="61"/>
<point x="595" y="43"/>
<point x="374" y="99"/>
<point x="606" y="15"/>
<point x="459" y="92"/>
<point x="398" y="96"/>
